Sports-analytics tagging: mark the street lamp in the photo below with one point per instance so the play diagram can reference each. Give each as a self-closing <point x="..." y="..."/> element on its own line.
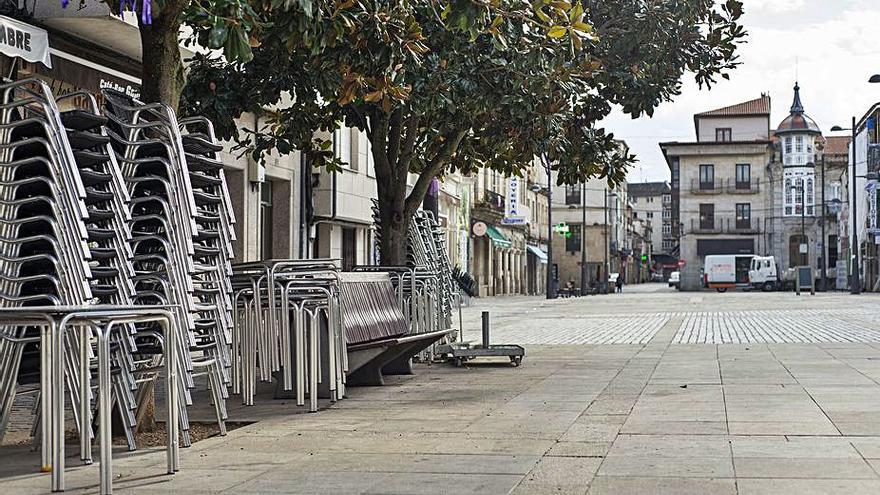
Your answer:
<point x="855" y="283"/>
<point x="583" y="238"/>
<point x="605" y="269"/>
<point x="551" y="279"/>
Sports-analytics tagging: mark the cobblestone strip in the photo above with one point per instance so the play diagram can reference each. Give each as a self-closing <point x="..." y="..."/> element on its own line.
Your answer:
<point x="777" y="326"/>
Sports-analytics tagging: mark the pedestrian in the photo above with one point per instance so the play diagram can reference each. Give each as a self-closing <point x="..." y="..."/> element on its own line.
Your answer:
<point x="619" y="283"/>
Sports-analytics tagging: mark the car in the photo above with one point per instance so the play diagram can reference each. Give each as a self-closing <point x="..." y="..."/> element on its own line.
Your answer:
<point x="674" y="279"/>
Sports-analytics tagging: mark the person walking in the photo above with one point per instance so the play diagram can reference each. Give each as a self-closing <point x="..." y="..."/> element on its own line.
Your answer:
<point x="619" y="282"/>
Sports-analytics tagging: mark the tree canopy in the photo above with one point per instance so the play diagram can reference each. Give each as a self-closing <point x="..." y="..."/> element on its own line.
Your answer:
<point x="441" y="86"/>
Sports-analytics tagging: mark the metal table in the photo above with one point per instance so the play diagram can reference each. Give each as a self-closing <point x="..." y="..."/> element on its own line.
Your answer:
<point x="54" y="322"/>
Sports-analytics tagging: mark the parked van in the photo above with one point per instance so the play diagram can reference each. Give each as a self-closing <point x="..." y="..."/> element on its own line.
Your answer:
<point x="726" y="271"/>
<point x="763" y="273"/>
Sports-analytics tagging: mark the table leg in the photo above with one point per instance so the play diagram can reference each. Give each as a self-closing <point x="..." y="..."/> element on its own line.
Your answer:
<point x="104" y="401"/>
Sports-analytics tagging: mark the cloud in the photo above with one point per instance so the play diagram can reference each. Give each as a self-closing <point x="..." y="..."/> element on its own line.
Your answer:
<point x="828" y="48"/>
<point x="773" y="6"/>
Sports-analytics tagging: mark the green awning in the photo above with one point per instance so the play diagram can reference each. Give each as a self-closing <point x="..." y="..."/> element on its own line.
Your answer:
<point x="498" y="238"/>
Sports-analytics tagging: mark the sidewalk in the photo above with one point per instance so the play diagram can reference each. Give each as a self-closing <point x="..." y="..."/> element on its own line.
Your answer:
<point x="660" y="417"/>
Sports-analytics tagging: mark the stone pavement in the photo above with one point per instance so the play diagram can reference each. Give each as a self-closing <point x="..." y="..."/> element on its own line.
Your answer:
<point x="779" y="394"/>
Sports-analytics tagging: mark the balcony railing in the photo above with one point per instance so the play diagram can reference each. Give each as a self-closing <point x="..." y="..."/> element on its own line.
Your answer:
<point x="729" y="225"/>
<point x="494" y="201"/>
<point x="730" y="186"/>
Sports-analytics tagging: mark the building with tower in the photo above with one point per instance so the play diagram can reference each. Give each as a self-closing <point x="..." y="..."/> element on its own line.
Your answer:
<point x="805" y="193"/>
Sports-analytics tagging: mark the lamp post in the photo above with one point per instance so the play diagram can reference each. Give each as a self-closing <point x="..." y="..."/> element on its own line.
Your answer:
<point x="605" y="254"/>
<point x="551" y="279"/>
<point x="607" y="267"/>
<point x="583" y="238"/>
<point x="855" y="283"/>
<point x="824" y="249"/>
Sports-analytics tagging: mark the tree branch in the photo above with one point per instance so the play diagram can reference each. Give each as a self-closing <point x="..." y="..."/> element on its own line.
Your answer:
<point x="434" y="167"/>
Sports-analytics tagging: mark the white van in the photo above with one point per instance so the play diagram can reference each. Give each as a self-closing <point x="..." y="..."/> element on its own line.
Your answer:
<point x="726" y="271"/>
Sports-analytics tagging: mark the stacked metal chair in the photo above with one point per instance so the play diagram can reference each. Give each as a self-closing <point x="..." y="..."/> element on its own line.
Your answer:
<point x="288" y="327"/>
<point x="178" y="224"/>
<point x="426" y="288"/>
<point x="43" y="235"/>
<point x="54" y="164"/>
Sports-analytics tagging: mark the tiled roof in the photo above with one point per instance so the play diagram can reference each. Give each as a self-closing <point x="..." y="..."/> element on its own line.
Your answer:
<point x="645" y="189"/>
<point x="837" y="145"/>
<point x="758" y="106"/>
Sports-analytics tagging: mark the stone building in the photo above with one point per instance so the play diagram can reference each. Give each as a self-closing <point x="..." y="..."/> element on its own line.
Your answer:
<point x="508" y="248"/>
<point x="652" y="202"/>
<point x="805" y="174"/>
<point x="603" y="235"/>
<point x="719" y="184"/>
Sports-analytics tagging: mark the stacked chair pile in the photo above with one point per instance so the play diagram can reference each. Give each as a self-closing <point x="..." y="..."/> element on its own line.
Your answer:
<point x="121" y="205"/>
<point x="288" y="327"/>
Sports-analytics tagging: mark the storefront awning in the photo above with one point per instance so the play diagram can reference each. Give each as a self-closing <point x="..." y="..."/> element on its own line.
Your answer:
<point x="498" y="238"/>
<point x="538" y="252"/>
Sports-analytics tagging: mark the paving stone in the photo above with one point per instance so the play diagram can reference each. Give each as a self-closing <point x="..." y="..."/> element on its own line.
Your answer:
<point x="808" y="486"/>
<point x="609" y="485"/>
<point x="814" y="468"/>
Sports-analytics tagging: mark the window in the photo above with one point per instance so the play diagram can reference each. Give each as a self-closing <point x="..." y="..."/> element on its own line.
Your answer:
<point x="788" y="145"/>
<point x="667" y="228"/>
<point x="832" y="251"/>
<point x="798" y="196"/>
<point x="723" y="134"/>
<point x="266" y="218"/>
<point x="667" y="198"/>
<point x="707" y="176"/>
<point x="707" y="216"/>
<point x="650" y="214"/>
<point x="789" y="196"/>
<point x="573" y="194"/>
<point x="573" y="241"/>
<point x="349" y="249"/>
<point x="342" y="142"/>
<point x="668" y="244"/>
<point x="667" y="213"/>
<point x="743" y="215"/>
<point x="835" y="191"/>
<point x="743" y="176"/>
<point x="799" y="144"/>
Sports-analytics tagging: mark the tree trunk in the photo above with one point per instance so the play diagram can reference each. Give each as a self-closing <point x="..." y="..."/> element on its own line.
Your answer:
<point x="162" y="75"/>
<point x="162" y="80"/>
<point x="395" y="224"/>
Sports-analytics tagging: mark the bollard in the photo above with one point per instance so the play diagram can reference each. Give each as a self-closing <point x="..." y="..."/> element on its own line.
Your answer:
<point x="485" y="329"/>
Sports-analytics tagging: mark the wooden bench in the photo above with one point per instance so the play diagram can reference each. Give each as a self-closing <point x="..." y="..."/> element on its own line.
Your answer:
<point x="368" y="361"/>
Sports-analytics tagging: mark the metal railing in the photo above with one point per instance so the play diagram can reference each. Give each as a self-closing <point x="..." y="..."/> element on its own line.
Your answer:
<point x="728" y="185"/>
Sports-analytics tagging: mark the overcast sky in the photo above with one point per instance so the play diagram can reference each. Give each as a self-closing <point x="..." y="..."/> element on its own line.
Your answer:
<point x="835" y="44"/>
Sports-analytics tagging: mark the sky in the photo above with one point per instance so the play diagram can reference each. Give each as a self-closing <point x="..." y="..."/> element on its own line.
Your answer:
<point x="831" y="46"/>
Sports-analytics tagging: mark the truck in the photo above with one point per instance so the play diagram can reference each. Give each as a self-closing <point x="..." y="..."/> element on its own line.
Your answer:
<point x="727" y="271"/>
<point x="745" y="271"/>
<point x="763" y="274"/>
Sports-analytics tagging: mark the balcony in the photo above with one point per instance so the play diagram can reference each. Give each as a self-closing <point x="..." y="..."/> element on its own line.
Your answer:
<point x="726" y="226"/>
<point x="493" y="201"/>
<point x="729" y="186"/>
<point x="743" y="187"/>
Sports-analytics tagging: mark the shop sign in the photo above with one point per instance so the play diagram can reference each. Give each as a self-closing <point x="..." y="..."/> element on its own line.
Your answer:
<point x="512" y="213"/>
<point x="21" y="40"/>
<point x="480" y="229"/>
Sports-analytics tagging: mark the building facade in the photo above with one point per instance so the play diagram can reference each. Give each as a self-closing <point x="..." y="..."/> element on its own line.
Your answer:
<point x="806" y="193"/>
<point x="720" y="192"/>
<point x="652" y="202"/>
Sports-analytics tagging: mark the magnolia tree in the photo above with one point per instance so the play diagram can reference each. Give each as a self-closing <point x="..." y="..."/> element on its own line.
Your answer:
<point x="445" y="86"/>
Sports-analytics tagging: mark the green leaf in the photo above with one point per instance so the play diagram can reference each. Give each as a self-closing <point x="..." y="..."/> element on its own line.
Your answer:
<point x="217" y="37"/>
<point x="557" y="31"/>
